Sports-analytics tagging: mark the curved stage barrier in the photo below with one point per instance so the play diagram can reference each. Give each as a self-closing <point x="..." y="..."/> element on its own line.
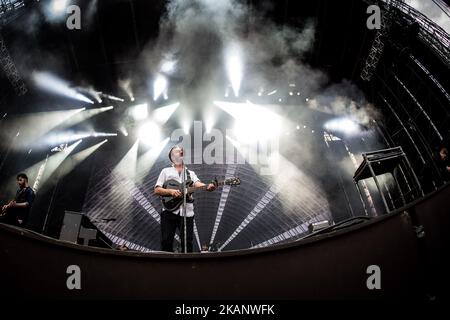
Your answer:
<point x="410" y="247"/>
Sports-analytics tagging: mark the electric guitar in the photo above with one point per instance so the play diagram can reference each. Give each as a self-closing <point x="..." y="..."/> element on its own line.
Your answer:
<point x="5" y="209"/>
<point x="171" y="204"/>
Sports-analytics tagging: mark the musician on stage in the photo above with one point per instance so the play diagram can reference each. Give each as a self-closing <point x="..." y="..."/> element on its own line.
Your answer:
<point x="17" y="211"/>
<point x="171" y="220"/>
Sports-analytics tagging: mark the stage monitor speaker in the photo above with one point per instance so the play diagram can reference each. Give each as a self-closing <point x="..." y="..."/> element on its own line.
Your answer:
<point x="77" y="228"/>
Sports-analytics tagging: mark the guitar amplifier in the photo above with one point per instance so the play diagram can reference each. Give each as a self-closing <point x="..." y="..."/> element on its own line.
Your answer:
<point x="77" y="228"/>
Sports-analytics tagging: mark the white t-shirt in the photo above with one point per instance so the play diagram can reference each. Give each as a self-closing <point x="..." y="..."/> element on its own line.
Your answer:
<point x="172" y="174"/>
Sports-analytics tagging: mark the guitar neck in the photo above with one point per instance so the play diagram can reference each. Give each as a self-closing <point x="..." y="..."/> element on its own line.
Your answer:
<point x="192" y="189"/>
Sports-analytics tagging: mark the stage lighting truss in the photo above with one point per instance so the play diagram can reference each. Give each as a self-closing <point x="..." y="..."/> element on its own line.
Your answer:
<point x="376" y="51"/>
<point x="10" y="10"/>
<point x="10" y="70"/>
<point x="429" y="33"/>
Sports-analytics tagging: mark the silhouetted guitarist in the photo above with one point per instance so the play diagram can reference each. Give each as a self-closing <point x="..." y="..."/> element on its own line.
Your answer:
<point x="16" y="212"/>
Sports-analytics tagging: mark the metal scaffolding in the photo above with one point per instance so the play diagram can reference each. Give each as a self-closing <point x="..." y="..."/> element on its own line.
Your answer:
<point x="9" y="11"/>
<point x="10" y="70"/>
<point x="376" y="51"/>
<point x="429" y="33"/>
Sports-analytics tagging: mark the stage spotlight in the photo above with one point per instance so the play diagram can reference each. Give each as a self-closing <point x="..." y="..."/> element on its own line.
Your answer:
<point x="168" y="66"/>
<point x="110" y="97"/>
<point x="59" y="6"/>
<point x="139" y="112"/>
<point x="343" y="125"/>
<point x="96" y="96"/>
<point x="50" y="83"/>
<point x="234" y="66"/>
<point x="103" y="134"/>
<point x="124" y="131"/>
<point x="149" y="134"/>
<point x="125" y="85"/>
<point x="159" y="86"/>
<point x="253" y="122"/>
<point x="69" y="136"/>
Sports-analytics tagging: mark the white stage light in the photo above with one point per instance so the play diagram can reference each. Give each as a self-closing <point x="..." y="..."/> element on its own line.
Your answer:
<point x="50" y="83"/>
<point x="234" y="67"/>
<point x="70" y="136"/>
<point x="125" y="85"/>
<point x="168" y="66"/>
<point x="59" y="6"/>
<point x="343" y="125"/>
<point x="253" y="122"/>
<point x="110" y="97"/>
<point x="149" y="134"/>
<point x="124" y="131"/>
<point x="159" y="86"/>
<point x="186" y="127"/>
<point x="139" y="112"/>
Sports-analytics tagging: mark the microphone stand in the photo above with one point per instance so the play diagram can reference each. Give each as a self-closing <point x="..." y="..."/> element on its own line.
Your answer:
<point x="183" y="180"/>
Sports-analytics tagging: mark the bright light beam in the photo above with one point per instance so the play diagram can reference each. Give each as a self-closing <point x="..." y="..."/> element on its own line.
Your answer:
<point x="35" y="125"/>
<point x="44" y="169"/>
<point x="343" y="125"/>
<point x="69" y="136"/>
<point x="159" y="86"/>
<point x="83" y="116"/>
<point x="149" y="134"/>
<point x="125" y="85"/>
<point x="52" y="84"/>
<point x="234" y="66"/>
<point x="139" y="112"/>
<point x="147" y="160"/>
<point x="161" y="115"/>
<point x="79" y="157"/>
<point x="127" y="166"/>
<point x="253" y="122"/>
<point x="58" y="6"/>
